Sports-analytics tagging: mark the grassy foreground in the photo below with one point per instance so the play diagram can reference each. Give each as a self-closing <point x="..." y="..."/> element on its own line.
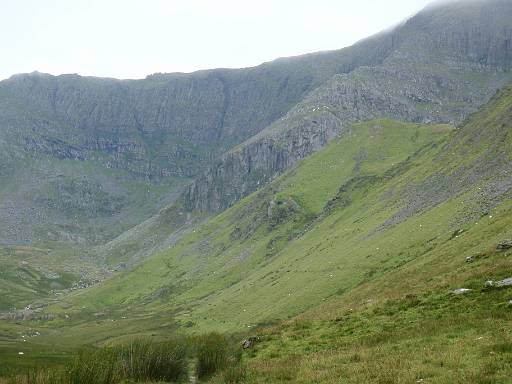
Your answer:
<point x="178" y="359"/>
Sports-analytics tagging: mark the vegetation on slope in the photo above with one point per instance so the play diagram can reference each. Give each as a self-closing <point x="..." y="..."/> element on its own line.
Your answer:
<point x="29" y="274"/>
<point x="246" y="248"/>
<point x="374" y="269"/>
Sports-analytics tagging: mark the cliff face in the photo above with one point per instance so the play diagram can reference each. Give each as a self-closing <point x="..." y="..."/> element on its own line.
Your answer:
<point x="166" y="119"/>
<point x="206" y="112"/>
<point x="442" y="65"/>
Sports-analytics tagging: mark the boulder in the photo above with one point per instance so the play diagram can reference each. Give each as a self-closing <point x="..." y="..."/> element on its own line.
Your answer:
<point x="501" y="283"/>
<point x="249" y="342"/>
<point x="504" y="245"/>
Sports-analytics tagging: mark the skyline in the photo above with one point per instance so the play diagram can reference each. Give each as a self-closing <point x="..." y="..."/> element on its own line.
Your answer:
<point x="128" y="39"/>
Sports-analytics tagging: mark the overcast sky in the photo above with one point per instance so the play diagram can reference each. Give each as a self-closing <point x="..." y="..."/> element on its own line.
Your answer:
<point x="133" y="38"/>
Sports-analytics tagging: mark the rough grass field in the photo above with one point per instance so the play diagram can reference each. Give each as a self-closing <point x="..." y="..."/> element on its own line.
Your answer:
<point x="400" y="328"/>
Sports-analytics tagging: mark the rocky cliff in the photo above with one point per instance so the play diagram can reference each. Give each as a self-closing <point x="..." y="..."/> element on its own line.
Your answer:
<point x="441" y="65"/>
<point x="130" y="146"/>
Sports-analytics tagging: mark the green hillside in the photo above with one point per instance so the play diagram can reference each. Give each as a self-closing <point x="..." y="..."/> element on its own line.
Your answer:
<point x="252" y="246"/>
<point x="349" y="211"/>
<point x="348" y="273"/>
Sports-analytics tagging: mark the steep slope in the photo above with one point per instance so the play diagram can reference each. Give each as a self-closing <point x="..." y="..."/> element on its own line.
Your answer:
<point x="443" y="63"/>
<point x="350" y="215"/>
<point x="438" y="66"/>
<point x="230" y="252"/>
<point x="406" y="323"/>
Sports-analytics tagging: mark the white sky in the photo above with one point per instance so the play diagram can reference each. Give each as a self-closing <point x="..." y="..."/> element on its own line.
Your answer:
<point x="133" y="38"/>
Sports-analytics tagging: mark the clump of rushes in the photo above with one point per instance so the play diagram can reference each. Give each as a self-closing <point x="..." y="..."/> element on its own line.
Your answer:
<point x="215" y="353"/>
<point x="139" y="361"/>
<point x="143" y="360"/>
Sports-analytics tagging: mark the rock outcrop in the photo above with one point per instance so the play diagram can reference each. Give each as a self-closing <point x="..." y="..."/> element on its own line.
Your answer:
<point x="439" y="66"/>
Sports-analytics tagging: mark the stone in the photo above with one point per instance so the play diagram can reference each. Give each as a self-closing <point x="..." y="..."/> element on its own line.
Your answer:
<point x="504" y="283"/>
<point x="461" y="291"/>
<point x="249" y="342"/>
<point x="470" y="259"/>
<point x="504" y="245"/>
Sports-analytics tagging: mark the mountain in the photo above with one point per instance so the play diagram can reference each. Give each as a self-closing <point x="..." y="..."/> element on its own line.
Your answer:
<point x="343" y="216"/>
<point x="440" y="65"/>
<point x="362" y="249"/>
<point x="101" y="174"/>
<point x="98" y="149"/>
<point x="251" y="245"/>
<point x="84" y="159"/>
<point x="436" y="67"/>
<point x="365" y="239"/>
<point x="362" y="233"/>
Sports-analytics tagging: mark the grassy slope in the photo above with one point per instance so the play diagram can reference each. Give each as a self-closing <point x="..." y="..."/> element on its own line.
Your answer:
<point x="243" y="251"/>
<point x="20" y="282"/>
<point x="406" y="325"/>
<point x="403" y="324"/>
<point x="371" y="268"/>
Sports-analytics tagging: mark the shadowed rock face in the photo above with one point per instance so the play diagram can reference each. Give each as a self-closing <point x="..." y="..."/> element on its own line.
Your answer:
<point x="182" y="118"/>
